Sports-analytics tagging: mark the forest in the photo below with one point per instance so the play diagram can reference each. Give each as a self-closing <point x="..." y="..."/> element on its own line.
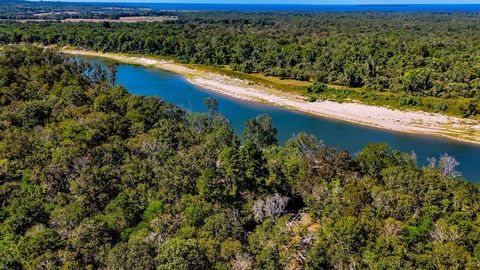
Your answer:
<point x="92" y="177"/>
<point x="22" y="9"/>
<point x="427" y="61"/>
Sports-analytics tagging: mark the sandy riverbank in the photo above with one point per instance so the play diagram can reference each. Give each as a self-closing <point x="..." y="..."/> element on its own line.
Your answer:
<point x="401" y="121"/>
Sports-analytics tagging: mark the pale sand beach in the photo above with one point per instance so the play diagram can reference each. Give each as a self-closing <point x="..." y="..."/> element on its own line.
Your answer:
<point x="418" y="122"/>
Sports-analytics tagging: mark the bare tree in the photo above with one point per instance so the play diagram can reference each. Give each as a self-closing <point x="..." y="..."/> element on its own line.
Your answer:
<point x="258" y="211"/>
<point x="432" y="162"/>
<point x="413" y="157"/>
<point x="275" y="206"/>
<point x="242" y="261"/>
<point x="447" y="165"/>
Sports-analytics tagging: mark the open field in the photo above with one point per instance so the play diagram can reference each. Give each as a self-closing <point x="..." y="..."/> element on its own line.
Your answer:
<point x="129" y="19"/>
<point x="282" y="81"/>
<point x="45" y="14"/>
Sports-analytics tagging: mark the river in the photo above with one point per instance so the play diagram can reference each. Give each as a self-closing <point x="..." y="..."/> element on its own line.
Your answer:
<point x="343" y="135"/>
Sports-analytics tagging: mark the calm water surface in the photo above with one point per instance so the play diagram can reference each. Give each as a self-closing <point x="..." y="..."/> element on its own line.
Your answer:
<point x="174" y="88"/>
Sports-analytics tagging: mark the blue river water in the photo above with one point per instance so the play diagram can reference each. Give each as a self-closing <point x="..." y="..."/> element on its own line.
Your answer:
<point x="343" y="135"/>
<point x="313" y="8"/>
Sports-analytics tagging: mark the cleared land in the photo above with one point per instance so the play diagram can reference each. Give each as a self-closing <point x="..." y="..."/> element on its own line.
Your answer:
<point x="129" y="19"/>
<point x="46" y="14"/>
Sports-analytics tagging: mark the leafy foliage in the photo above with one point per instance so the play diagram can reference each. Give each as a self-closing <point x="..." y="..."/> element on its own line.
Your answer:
<point x="415" y="53"/>
<point x="21" y="9"/>
<point x="92" y="177"/>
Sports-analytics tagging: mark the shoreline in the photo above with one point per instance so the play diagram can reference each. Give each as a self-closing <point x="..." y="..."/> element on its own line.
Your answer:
<point x="415" y="122"/>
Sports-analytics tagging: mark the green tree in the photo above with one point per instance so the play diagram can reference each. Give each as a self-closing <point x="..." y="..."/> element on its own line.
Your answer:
<point x="417" y="80"/>
<point x="260" y="131"/>
<point x="182" y="255"/>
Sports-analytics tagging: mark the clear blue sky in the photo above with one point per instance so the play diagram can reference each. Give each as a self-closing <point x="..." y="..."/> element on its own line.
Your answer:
<point x="319" y="2"/>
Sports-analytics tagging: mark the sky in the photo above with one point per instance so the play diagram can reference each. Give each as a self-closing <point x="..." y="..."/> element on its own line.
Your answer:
<point x="318" y="2"/>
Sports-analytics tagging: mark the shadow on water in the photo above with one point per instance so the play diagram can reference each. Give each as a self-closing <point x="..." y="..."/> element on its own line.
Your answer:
<point x="174" y="88"/>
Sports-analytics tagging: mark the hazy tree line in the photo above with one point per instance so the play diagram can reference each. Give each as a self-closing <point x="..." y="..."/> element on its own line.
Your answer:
<point x="22" y="9"/>
<point x="92" y="177"/>
<point x="421" y="54"/>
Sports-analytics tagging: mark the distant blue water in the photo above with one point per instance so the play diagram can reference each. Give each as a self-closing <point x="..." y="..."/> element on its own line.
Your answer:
<point x="315" y="8"/>
<point x="175" y="89"/>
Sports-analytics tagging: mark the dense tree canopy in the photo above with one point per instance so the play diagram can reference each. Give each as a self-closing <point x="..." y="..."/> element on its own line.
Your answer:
<point x="23" y="9"/>
<point x="426" y="61"/>
<point x="92" y="177"/>
<point x="421" y="54"/>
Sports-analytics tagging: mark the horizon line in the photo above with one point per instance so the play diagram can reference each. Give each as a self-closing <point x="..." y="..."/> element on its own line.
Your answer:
<point x="254" y="4"/>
